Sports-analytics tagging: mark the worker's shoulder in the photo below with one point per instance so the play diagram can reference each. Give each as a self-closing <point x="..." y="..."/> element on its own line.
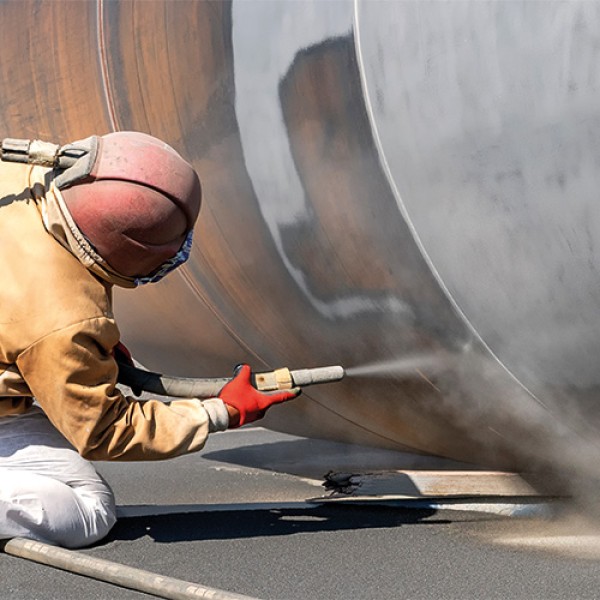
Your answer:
<point x="14" y="181"/>
<point x="43" y="287"/>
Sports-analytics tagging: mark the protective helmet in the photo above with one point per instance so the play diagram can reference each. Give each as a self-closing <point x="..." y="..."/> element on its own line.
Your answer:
<point x="134" y="198"/>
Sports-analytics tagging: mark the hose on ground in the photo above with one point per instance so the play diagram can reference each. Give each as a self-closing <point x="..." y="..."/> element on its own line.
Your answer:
<point x="114" y="573"/>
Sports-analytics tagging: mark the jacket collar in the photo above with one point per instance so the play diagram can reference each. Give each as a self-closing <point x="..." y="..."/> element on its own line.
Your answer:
<point x="59" y="223"/>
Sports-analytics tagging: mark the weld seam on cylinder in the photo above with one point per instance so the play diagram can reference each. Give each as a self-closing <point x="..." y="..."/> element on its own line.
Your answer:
<point x="113" y="573"/>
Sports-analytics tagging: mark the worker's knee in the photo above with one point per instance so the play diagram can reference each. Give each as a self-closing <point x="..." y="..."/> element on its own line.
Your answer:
<point x="47" y="491"/>
<point x="99" y="513"/>
<point x="42" y="508"/>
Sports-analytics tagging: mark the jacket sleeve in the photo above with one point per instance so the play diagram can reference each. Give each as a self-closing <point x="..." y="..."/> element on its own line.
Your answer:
<point x="72" y="374"/>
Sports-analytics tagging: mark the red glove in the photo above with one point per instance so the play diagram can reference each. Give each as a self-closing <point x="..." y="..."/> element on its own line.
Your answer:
<point x="251" y="404"/>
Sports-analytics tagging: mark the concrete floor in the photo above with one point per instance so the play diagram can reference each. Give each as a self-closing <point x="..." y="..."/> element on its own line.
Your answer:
<point x="225" y="520"/>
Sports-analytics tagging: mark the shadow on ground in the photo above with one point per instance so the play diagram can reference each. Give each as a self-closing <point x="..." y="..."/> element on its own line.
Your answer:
<point x="314" y="458"/>
<point x="238" y="524"/>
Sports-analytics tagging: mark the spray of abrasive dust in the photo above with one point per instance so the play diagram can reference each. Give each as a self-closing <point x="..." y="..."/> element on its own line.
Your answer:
<point x="399" y="367"/>
<point x="551" y="438"/>
<point x="572" y="535"/>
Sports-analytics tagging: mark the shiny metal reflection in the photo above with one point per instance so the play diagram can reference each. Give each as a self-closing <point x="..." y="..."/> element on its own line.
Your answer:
<point x="383" y="182"/>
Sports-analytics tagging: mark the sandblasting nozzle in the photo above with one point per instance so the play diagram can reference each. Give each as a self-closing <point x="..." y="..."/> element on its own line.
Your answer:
<point x="284" y="379"/>
<point x="304" y="377"/>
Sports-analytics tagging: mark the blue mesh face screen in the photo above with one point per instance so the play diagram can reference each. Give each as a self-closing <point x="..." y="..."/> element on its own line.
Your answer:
<point x="169" y="265"/>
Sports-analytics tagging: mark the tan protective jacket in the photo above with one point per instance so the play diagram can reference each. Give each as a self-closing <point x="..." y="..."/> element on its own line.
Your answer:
<point x="57" y="332"/>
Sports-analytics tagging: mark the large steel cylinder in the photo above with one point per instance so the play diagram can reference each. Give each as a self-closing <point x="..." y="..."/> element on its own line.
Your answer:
<point x="407" y="185"/>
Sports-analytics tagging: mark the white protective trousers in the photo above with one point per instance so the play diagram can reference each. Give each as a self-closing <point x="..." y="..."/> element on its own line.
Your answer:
<point x="48" y="492"/>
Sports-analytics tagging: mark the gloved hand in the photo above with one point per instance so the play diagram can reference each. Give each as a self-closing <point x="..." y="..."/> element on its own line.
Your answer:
<point x="247" y="402"/>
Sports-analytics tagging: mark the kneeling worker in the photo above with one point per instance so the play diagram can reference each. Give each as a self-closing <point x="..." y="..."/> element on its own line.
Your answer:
<point x="117" y="210"/>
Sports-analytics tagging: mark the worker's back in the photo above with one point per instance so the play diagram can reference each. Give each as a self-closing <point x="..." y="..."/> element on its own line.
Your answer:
<point x="44" y="288"/>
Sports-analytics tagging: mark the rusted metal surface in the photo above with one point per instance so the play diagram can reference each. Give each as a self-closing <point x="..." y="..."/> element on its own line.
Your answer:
<point x="381" y="181"/>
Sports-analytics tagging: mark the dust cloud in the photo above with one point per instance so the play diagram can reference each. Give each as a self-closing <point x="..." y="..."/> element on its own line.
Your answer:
<point x="551" y="441"/>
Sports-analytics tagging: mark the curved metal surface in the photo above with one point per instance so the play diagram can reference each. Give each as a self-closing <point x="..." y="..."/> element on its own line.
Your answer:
<point x="399" y="182"/>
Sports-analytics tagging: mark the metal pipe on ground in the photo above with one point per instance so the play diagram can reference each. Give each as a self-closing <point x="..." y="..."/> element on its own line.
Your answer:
<point x="113" y="573"/>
